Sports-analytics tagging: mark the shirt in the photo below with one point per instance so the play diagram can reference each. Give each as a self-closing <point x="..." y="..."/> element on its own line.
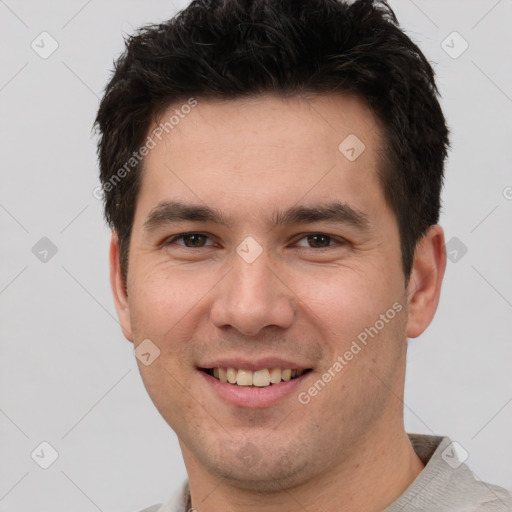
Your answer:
<point x="445" y="484"/>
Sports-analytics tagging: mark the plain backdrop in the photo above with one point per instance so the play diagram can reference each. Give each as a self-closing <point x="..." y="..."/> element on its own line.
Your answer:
<point x="68" y="377"/>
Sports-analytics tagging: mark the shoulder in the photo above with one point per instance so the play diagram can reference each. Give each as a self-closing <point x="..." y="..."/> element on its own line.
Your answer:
<point x="491" y="498"/>
<point x="447" y="484"/>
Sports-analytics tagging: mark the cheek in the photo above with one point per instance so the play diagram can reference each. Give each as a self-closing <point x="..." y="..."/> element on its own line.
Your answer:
<point x="344" y="299"/>
<point x="169" y="394"/>
<point x="160" y="299"/>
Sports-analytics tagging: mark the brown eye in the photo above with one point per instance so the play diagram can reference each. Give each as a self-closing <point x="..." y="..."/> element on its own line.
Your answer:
<point x="320" y="241"/>
<point x="191" y="240"/>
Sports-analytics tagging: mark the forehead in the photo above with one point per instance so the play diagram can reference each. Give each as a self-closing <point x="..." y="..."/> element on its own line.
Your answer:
<point x="303" y="123"/>
<point x="264" y="149"/>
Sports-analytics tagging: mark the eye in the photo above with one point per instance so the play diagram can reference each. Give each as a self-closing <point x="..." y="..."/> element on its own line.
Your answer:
<point x="313" y="241"/>
<point x="191" y="240"/>
<point x="320" y="241"/>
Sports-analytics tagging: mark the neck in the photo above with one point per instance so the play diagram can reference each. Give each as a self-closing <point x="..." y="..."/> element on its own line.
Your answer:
<point x="378" y="471"/>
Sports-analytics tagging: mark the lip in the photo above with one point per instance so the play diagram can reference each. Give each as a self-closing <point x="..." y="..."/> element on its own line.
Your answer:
<point x="253" y="397"/>
<point x="254" y="364"/>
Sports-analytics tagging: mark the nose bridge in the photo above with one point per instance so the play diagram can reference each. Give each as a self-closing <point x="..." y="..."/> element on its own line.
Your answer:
<point x="251" y="296"/>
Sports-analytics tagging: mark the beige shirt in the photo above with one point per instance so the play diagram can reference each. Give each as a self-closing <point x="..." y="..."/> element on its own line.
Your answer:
<point x="446" y="484"/>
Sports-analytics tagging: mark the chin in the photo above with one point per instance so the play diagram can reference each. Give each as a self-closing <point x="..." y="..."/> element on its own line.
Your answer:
<point x="260" y="475"/>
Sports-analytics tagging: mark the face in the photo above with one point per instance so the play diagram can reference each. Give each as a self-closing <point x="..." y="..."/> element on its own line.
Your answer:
<point x="292" y="263"/>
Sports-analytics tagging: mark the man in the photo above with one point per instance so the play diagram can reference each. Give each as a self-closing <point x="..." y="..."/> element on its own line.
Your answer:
<point x="272" y="174"/>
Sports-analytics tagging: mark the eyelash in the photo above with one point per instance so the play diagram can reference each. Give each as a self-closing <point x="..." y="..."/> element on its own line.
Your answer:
<point x="340" y="241"/>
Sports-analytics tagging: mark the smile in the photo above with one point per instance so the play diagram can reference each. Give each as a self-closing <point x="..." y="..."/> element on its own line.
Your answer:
<point x="258" y="378"/>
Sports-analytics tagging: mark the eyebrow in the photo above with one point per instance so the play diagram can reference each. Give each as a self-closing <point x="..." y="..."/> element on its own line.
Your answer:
<point x="168" y="212"/>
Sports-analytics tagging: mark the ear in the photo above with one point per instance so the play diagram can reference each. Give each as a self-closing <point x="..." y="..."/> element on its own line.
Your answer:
<point x="118" y="288"/>
<point x="426" y="278"/>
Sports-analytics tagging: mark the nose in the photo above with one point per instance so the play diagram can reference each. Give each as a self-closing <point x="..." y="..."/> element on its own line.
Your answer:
<point x="253" y="296"/>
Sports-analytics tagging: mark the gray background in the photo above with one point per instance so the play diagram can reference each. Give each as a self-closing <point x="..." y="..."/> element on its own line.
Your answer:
<point x="68" y="376"/>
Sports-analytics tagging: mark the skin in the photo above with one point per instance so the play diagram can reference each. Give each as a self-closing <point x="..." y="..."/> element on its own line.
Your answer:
<point x="297" y="300"/>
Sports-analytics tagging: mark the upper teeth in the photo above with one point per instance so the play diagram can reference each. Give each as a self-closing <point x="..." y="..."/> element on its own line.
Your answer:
<point x="259" y="378"/>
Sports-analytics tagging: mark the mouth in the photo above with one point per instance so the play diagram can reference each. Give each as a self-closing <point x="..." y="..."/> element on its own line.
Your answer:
<point x="262" y="378"/>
